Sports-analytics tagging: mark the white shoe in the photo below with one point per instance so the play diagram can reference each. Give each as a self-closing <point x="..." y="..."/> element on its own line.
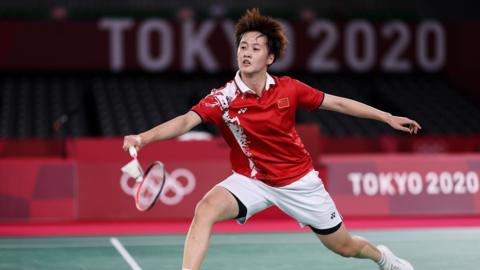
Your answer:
<point x="392" y="262"/>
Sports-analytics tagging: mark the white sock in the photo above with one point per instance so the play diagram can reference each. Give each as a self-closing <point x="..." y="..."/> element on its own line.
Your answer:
<point x="382" y="260"/>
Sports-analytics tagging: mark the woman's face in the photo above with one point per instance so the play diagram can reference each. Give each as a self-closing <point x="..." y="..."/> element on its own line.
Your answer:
<point x="252" y="53"/>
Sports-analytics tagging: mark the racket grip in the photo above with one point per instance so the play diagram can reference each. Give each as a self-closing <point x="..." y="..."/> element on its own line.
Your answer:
<point x="132" y="151"/>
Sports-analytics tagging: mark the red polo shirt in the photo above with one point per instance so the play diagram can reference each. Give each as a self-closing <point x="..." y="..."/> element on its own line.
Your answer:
<point x="261" y="130"/>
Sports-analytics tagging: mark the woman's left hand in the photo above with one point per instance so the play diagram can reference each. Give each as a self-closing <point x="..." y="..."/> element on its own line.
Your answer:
<point x="403" y="124"/>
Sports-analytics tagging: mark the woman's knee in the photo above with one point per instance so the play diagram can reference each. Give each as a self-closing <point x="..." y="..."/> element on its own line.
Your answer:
<point x="206" y="208"/>
<point x="214" y="207"/>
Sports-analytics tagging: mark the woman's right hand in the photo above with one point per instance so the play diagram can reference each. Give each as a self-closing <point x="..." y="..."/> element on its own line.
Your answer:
<point x="132" y="140"/>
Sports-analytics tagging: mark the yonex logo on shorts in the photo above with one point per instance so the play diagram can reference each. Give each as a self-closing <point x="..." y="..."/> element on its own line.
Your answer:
<point x="332" y="215"/>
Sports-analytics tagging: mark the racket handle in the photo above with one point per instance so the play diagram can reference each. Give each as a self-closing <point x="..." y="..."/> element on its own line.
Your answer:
<point x="132" y="151"/>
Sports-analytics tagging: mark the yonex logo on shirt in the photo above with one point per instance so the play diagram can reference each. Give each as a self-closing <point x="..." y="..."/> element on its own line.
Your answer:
<point x="260" y="132"/>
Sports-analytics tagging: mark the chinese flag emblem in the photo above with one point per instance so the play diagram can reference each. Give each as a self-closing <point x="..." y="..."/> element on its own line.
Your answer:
<point x="283" y="103"/>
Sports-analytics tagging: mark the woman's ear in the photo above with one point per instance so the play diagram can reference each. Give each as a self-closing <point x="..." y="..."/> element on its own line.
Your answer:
<point x="270" y="59"/>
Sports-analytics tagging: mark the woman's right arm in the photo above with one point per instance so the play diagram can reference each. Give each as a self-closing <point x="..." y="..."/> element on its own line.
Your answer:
<point x="170" y="129"/>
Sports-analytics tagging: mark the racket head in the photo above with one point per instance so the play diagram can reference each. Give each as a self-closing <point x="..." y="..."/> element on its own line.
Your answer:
<point x="150" y="187"/>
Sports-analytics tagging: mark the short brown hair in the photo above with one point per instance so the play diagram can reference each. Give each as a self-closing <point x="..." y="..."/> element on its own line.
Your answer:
<point x="268" y="26"/>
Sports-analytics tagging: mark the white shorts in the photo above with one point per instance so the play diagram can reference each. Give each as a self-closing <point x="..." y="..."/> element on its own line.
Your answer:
<point x="305" y="200"/>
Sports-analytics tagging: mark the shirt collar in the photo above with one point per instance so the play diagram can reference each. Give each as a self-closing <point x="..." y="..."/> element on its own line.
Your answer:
<point x="245" y="89"/>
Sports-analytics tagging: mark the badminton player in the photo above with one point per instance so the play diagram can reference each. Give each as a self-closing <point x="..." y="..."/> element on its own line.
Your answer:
<point x="255" y="113"/>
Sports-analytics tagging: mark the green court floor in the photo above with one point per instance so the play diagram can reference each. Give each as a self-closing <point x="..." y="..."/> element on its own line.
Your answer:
<point x="432" y="249"/>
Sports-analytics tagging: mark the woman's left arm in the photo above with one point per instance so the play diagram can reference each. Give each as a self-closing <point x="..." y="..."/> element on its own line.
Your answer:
<point x="358" y="109"/>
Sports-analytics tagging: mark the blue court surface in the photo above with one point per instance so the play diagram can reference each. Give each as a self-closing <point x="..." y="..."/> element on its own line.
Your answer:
<point x="426" y="249"/>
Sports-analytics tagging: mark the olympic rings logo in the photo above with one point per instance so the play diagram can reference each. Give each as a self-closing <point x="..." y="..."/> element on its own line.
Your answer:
<point x="178" y="184"/>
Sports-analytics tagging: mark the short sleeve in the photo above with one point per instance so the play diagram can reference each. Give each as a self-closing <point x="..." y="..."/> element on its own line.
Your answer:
<point x="308" y="97"/>
<point x="209" y="109"/>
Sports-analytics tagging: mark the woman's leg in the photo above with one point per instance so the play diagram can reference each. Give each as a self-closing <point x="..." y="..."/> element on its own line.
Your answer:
<point x="217" y="205"/>
<point x="347" y="245"/>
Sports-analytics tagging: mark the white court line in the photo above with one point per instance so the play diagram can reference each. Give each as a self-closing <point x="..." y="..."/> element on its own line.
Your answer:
<point x="121" y="249"/>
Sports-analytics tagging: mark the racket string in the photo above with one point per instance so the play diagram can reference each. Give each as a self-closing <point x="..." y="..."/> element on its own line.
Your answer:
<point x="176" y="186"/>
<point x="149" y="189"/>
<point x="174" y="191"/>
